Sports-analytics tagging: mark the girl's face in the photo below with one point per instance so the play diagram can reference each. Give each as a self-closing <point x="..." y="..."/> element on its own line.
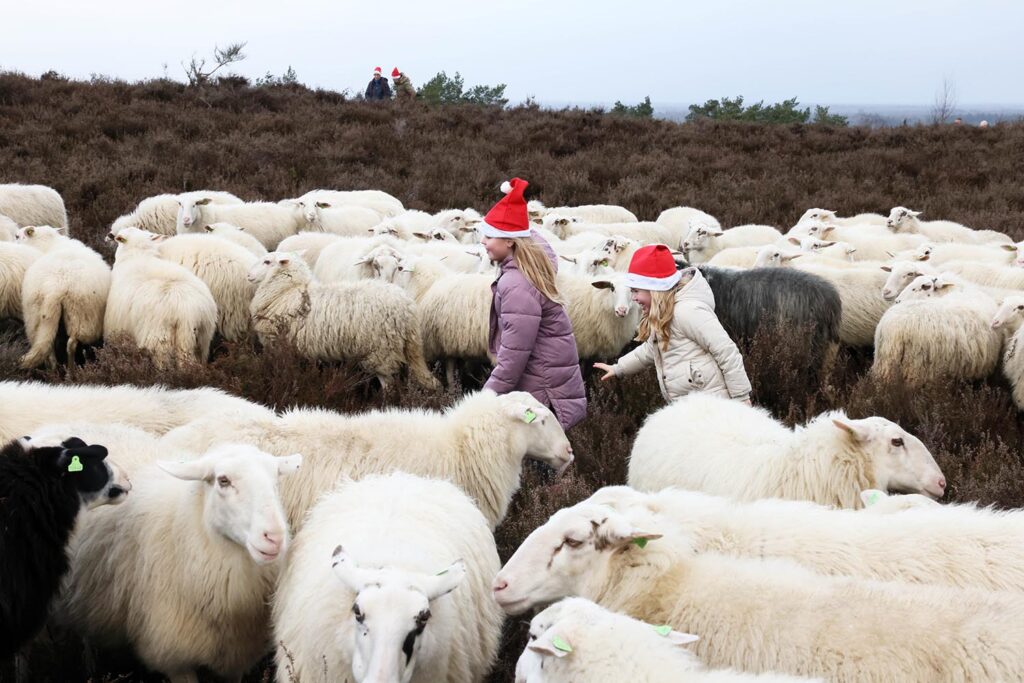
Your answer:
<point x="497" y="248"/>
<point x="643" y="299"/>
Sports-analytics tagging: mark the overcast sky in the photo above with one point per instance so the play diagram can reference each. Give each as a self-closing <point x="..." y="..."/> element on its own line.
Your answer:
<point x="677" y="51"/>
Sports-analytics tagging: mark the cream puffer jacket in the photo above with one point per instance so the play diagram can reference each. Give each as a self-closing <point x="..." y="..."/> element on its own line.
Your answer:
<point x="700" y="355"/>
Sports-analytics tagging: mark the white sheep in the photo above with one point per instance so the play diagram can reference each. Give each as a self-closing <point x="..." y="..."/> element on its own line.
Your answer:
<point x="904" y="220"/>
<point x="161" y="306"/>
<point x="839" y="251"/>
<point x="389" y="580"/>
<point x="379" y="261"/>
<point x="1010" y="313"/>
<point x="15" y="259"/>
<point x="339" y="261"/>
<point x="183" y="572"/>
<point x="309" y="245"/>
<point x="775" y="256"/>
<point x="156" y="409"/>
<point x="863" y="305"/>
<point x="735" y="257"/>
<point x="869" y="243"/>
<point x="68" y="283"/>
<point x="645" y="232"/>
<point x="347" y="220"/>
<point x="766" y="615"/>
<point x="901" y="273"/>
<point x="603" y="315"/>
<point x="8" y="229"/>
<point x="703" y="241"/>
<point x="460" y="258"/>
<point x="678" y="219"/>
<point x="586" y="213"/>
<point x="939" y="328"/>
<point x="435" y="235"/>
<point x="159" y="214"/>
<point x="33" y="205"/>
<point x="269" y="223"/>
<point x="478" y="444"/>
<point x="882" y="502"/>
<point x="578" y="640"/>
<point x="1009" y="317"/>
<point x="829" y="217"/>
<point x="381" y="202"/>
<point x="462" y="223"/>
<point x="941" y="253"/>
<point x="238" y="235"/>
<point x="373" y="323"/>
<point x="613" y="252"/>
<point x="720" y="446"/>
<point x="927" y="547"/>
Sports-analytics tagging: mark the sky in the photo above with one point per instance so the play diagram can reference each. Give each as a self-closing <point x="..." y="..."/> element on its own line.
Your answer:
<point x="886" y="52"/>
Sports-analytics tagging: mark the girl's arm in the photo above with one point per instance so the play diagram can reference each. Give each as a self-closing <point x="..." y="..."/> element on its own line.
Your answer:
<point x="636" y="360"/>
<point x="520" y="322"/>
<point x="702" y="325"/>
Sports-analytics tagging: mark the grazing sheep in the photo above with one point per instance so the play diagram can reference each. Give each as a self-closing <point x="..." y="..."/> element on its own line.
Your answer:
<point x="938" y="329"/>
<point x="161" y="306"/>
<point x="720" y="446"/>
<point x="577" y="640"/>
<point x="766" y="615"/>
<point x="409" y="599"/>
<point x="373" y="323"/>
<point x="381" y="202"/>
<point x="703" y="241"/>
<point x="903" y="220"/>
<point x="156" y="409"/>
<point x="478" y="444"/>
<point x="8" y="229"/>
<point x="268" y="223"/>
<point x="159" y="214"/>
<point x="235" y="234"/>
<point x="345" y="220"/>
<point x="603" y="315"/>
<point x="15" y="259"/>
<point x="68" y="283"/>
<point x="916" y="548"/>
<point x="33" y="205"/>
<point x="679" y="218"/>
<point x="42" y="491"/>
<point x="308" y="245"/>
<point x="183" y="573"/>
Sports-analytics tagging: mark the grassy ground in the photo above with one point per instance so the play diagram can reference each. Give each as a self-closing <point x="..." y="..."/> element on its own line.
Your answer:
<point x="106" y="145"/>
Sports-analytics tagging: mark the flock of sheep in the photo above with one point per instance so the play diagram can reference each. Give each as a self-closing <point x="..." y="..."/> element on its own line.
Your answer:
<point x="360" y="546"/>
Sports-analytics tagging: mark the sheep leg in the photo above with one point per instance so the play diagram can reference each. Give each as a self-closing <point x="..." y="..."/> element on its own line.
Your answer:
<point x="72" y="348"/>
<point x="186" y="677"/>
<point x="449" y="372"/>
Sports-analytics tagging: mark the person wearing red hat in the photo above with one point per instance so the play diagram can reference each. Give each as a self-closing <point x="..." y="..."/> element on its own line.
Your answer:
<point x="403" y="86"/>
<point x="378" y="88"/>
<point x="682" y="337"/>
<point x="530" y="337"/>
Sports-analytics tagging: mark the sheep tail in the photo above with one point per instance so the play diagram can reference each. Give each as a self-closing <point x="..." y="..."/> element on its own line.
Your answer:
<point x="41" y="352"/>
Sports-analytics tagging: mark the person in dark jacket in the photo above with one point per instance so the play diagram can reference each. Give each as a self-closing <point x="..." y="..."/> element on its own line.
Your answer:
<point x="378" y="88"/>
<point x="530" y="336"/>
<point x="404" y="89"/>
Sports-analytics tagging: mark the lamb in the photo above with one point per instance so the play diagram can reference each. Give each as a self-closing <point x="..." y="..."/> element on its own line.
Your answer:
<point x="373" y="323"/>
<point x="15" y="260"/>
<point x="238" y="235"/>
<point x="269" y="223"/>
<point x="720" y="446"/>
<point x="43" y="489"/>
<point x="309" y="245"/>
<point x="704" y="241"/>
<point x="68" y="283"/>
<point x="381" y="202"/>
<point x="346" y="220"/>
<point x="222" y="266"/>
<point x="156" y="409"/>
<point x="765" y="615"/>
<point x="947" y="336"/>
<point x="603" y="315"/>
<point x="29" y="205"/>
<point x="159" y="214"/>
<point x="208" y="531"/>
<point x="400" y="545"/>
<point x="577" y="640"/>
<point x="162" y="307"/>
<point x="921" y="545"/>
<point x="8" y="229"/>
<point x="678" y="220"/>
<point x="478" y="444"/>
<point x="903" y="220"/>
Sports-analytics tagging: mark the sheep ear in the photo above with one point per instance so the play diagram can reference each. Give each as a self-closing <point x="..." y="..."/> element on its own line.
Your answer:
<point x="208" y="228"/>
<point x="551" y="645"/>
<point x="924" y="257"/>
<point x="716" y="232"/>
<point x="567" y="258"/>
<point x="891" y="255"/>
<point x="825" y="245"/>
<point x="790" y="257"/>
<point x="323" y="205"/>
<point x="191" y="470"/>
<point x="915" y="214"/>
<point x="887" y="269"/>
<point x="289" y="464"/>
<point x="157" y="238"/>
<point x="345" y="568"/>
<point x="602" y="284"/>
<point x="850" y="428"/>
<point x="794" y="240"/>
<point x="445" y="581"/>
<point x="675" y="637"/>
<point x="203" y="202"/>
<point x="826" y="229"/>
<point x="362" y="261"/>
<point x="871" y="496"/>
<point x="1010" y="247"/>
<point x="421" y="235"/>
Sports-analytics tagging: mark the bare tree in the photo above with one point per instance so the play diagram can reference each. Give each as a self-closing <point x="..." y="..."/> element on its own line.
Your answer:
<point x="197" y="71"/>
<point x="945" y="102"/>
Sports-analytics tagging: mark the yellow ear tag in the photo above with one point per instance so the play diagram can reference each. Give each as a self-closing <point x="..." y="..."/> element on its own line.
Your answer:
<point x="76" y="464"/>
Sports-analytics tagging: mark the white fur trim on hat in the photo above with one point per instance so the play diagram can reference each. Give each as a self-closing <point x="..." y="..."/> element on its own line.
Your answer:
<point x="506" y="187"/>
<point x="654" y="284"/>
<point x="491" y="231"/>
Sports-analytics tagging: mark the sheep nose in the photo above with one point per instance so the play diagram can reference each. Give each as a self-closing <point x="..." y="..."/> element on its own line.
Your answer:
<point x="273" y="537"/>
<point x="499" y="585"/>
<point x="941" y="483"/>
<point x="620" y="311"/>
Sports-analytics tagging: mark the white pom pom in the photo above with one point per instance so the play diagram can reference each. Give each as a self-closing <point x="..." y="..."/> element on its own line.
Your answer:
<point x="506" y="187"/>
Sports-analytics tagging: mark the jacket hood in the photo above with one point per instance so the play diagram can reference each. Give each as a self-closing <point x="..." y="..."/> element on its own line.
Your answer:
<point x="697" y="289"/>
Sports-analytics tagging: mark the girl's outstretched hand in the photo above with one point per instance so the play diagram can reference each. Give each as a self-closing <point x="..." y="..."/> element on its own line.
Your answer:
<point x="606" y="369"/>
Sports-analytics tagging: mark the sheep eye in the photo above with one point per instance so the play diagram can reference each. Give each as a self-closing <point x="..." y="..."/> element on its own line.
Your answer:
<point x="267" y="262"/>
<point x="1020" y="308"/>
<point x="223" y="482"/>
<point x="360" y="617"/>
<point x="572" y="542"/>
<point x="897" y="442"/>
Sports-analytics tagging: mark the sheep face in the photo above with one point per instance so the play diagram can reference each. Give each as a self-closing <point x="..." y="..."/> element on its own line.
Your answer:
<point x="901" y="274"/>
<point x="545" y="439"/>
<point x="391" y="613"/>
<point x="569" y="555"/>
<point x="276" y="263"/>
<point x="536" y="211"/>
<point x="558" y="224"/>
<point x="817" y="216"/>
<point x="190" y="211"/>
<point x="926" y="287"/>
<point x="82" y="467"/>
<point x="901" y="219"/>
<point x="458" y="223"/>
<point x="1011" y="309"/>
<point x="42" y="237"/>
<point x="699" y="237"/>
<point x="387" y="228"/>
<point x="383" y="263"/>
<point x="620" y="297"/>
<point x="899" y="460"/>
<point x="241" y="501"/>
<point x="770" y="256"/>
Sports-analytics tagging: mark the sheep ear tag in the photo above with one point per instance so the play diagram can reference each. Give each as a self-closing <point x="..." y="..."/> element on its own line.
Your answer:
<point x="640" y="543"/>
<point x="663" y="630"/>
<point x="561" y="644"/>
<point x="75" y="465"/>
<point x="529" y="416"/>
<point x="873" y="498"/>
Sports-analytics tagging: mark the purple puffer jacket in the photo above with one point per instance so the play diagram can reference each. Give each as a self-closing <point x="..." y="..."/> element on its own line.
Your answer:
<point x="532" y="342"/>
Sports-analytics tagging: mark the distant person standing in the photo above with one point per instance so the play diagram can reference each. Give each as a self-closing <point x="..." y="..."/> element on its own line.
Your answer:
<point x="378" y="88"/>
<point x="403" y="86"/>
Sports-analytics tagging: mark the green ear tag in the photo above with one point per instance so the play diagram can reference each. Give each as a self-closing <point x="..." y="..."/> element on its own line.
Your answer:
<point x="640" y="543"/>
<point x="663" y="630"/>
<point x="441" y="573"/>
<point x="604" y="263"/>
<point x="76" y="464"/>
<point x="873" y="498"/>
<point x="529" y="416"/>
<point x="561" y="644"/>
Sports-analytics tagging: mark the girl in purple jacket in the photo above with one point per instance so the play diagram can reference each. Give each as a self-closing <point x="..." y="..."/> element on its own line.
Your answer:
<point x="531" y="338"/>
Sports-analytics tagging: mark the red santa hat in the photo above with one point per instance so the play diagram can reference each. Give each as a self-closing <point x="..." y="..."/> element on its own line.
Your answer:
<point x="395" y="73"/>
<point x="653" y="268"/>
<point x="508" y="218"/>
<point x="377" y="71"/>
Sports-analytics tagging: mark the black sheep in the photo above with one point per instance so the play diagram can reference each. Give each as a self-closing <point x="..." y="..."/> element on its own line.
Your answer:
<point x="42" y="490"/>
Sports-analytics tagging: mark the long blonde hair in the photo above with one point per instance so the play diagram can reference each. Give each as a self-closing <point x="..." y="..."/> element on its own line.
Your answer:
<point x="659" y="320"/>
<point x="536" y="267"/>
